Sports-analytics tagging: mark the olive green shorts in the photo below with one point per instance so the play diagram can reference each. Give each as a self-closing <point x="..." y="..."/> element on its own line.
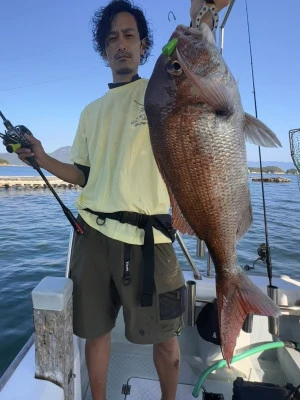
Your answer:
<point x="97" y="271"/>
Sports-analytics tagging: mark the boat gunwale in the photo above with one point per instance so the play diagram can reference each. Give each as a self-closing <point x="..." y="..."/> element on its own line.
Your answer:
<point x="16" y="362"/>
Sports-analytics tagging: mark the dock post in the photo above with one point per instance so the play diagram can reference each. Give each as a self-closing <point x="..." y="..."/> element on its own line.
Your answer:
<point x="52" y="313"/>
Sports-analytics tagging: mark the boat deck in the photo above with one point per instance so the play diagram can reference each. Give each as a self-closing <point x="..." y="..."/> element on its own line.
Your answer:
<point x="133" y="365"/>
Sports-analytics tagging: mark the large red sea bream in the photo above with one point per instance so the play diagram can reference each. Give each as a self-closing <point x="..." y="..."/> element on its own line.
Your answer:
<point x="198" y="130"/>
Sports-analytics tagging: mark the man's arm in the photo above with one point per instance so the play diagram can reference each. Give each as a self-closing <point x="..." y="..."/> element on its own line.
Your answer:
<point x="67" y="172"/>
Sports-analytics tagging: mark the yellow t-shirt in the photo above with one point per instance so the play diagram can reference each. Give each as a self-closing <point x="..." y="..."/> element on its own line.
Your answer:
<point x="113" y="140"/>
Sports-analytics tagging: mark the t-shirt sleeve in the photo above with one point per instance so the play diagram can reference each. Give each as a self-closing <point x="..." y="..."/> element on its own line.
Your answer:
<point x="79" y="151"/>
<point x="85" y="170"/>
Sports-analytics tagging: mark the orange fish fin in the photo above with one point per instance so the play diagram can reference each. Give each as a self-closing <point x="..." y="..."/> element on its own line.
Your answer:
<point x="237" y="298"/>
<point x="178" y="220"/>
<point x="258" y="133"/>
<point x="211" y="92"/>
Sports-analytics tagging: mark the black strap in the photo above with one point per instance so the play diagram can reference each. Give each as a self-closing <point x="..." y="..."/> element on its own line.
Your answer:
<point x="126" y="275"/>
<point x="163" y="223"/>
<point x="147" y="282"/>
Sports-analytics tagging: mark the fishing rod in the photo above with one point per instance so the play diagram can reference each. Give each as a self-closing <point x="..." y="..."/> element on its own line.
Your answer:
<point x="267" y="247"/>
<point x="14" y="139"/>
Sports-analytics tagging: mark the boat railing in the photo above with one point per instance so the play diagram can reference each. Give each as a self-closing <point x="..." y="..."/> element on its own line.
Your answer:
<point x="289" y="310"/>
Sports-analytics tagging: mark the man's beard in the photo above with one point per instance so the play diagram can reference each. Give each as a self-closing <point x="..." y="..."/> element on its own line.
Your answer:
<point x="124" y="71"/>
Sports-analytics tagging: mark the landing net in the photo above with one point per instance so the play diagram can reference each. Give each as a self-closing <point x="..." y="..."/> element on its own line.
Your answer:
<point x="295" y="150"/>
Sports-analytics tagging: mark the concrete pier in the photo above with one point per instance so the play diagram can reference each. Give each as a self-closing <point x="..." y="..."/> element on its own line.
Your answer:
<point x="276" y="180"/>
<point x="33" y="182"/>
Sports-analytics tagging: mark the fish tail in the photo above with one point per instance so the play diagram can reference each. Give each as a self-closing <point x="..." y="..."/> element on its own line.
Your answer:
<point x="237" y="297"/>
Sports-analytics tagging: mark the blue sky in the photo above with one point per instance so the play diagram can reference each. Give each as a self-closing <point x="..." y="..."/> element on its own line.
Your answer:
<point x="49" y="71"/>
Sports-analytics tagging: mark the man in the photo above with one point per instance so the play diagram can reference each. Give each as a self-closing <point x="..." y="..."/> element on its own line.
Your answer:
<point x="122" y="258"/>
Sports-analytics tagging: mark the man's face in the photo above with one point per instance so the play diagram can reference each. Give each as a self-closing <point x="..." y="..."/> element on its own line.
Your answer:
<point x="123" y="46"/>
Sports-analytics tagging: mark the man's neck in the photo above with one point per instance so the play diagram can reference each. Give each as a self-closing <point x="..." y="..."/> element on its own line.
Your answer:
<point x="123" y="78"/>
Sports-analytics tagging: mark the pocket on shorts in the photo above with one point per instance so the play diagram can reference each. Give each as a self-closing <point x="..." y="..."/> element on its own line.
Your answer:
<point x="165" y="259"/>
<point x="167" y="273"/>
<point x="172" y="304"/>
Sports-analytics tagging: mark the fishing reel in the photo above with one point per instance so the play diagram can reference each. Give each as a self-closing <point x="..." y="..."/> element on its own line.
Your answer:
<point x="14" y="137"/>
<point x="262" y="256"/>
<point x="262" y="252"/>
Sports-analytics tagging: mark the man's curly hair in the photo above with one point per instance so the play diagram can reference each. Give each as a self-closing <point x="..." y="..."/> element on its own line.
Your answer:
<point x="101" y="24"/>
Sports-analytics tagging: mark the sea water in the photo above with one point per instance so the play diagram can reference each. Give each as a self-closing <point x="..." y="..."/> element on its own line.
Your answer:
<point x="35" y="234"/>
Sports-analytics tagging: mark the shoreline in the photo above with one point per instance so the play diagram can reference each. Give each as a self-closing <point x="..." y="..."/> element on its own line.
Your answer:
<point x="33" y="182"/>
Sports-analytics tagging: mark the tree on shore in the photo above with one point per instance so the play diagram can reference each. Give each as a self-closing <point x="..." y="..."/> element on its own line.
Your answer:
<point x="292" y="171"/>
<point x="3" y="162"/>
<point x="267" y="170"/>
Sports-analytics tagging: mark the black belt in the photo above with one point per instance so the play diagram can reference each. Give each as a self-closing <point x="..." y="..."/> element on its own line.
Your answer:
<point x="161" y="222"/>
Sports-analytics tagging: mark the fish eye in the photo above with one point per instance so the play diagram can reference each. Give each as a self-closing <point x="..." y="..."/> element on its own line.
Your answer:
<point x="174" y="68"/>
<point x="176" y="65"/>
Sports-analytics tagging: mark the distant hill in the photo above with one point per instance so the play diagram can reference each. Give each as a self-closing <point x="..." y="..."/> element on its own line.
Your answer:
<point x="281" y="164"/>
<point x="62" y="154"/>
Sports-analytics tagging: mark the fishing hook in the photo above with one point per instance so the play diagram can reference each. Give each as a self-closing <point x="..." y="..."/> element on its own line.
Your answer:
<point x="171" y="12"/>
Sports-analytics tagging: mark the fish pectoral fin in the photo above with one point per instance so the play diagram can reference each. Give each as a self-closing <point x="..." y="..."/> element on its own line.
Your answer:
<point x="245" y="221"/>
<point x="178" y="220"/>
<point x="237" y="298"/>
<point x="258" y="133"/>
<point x="217" y="95"/>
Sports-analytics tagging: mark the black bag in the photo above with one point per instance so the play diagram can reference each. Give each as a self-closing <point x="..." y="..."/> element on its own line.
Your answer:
<point x="208" y="324"/>
<point x="243" y="390"/>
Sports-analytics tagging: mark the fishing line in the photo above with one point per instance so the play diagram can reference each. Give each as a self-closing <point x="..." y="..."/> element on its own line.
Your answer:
<point x="61" y="79"/>
<point x="268" y="253"/>
<point x="49" y="81"/>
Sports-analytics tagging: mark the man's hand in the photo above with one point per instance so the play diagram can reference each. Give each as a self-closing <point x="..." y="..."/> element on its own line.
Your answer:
<point x="37" y="151"/>
<point x="196" y="6"/>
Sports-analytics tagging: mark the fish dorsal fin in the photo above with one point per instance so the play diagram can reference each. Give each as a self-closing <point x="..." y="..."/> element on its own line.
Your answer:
<point x="211" y="92"/>
<point x="258" y="133"/>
